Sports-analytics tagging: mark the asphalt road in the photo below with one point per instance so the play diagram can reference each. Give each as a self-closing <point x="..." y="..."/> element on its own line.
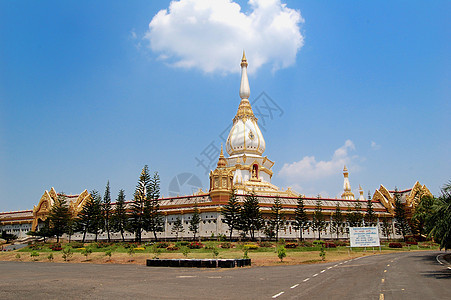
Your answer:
<point x="406" y="275"/>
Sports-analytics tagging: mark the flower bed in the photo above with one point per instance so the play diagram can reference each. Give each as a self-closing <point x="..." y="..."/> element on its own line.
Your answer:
<point x="195" y="245"/>
<point x="395" y="245"/>
<point x="291" y="245"/>
<point x="56" y="247"/>
<point x="330" y="245"/>
<point x="162" y="244"/>
<point x="225" y="245"/>
<point x="412" y="243"/>
<point x="172" y="248"/>
<point x="266" y="244"/>
<point x="250" y="247"/>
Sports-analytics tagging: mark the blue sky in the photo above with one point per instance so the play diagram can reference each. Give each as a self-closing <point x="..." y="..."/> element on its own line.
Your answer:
<point x="89" y="93"/>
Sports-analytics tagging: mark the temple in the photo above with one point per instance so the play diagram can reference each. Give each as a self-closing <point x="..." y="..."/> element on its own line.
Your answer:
<point x="245" y="170"/>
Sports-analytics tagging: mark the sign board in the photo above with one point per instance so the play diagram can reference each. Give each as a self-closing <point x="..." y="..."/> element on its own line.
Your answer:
<point x="364" y="236"/>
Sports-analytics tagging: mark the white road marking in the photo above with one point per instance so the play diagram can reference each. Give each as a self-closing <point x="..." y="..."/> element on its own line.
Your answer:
<point x="186" y="276"/>
<point x="329" y="268"/>
<point x="306" y="279"/>
<point x="315" y="275"/>
<point x="277" y="295"/>
<point x="382" y="280"/>
<point x="214" y="277"/>
<point x="388" y="265"/>
<point x="403" y="289"/>
<point x="449" y="268"/>
<point x="336" y="266"/>
<point x="385" y="271"/>
<point x="292" y="287"/>
<point x="323" y="271"/>
<point x="340" y="263"/>
<point x="381" y="297"/>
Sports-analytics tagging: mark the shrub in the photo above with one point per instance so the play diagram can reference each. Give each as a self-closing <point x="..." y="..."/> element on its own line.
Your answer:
<point x="86" y="252"/>
<point x="50" y="257"/>
<point x="182" y="243"/>
<point x="318" y="243"/>
<point x="18" y="256"/>
<point x="185" y="251"/>
<point x="281" y="253"/>
<point x="56" y="247"/>
<point x="266" y="244"/>
<point x="172" y="248"/>
<point x="281" y="241"/>
<point x="322" y="254"/>
<point x="250" y="247"/>
<point x="330" y="245"/>
<point x="215" y="252"/>
<point x="195" y="245"/>
<point x="291" y="245"/>
<point x="225" y="245"/>
<point x="395" y="245"/>
<point x="67" y="253"/>
<point x="34" y="254"/>
<point x="108" y="253"/>
<point x="162" y="244"/>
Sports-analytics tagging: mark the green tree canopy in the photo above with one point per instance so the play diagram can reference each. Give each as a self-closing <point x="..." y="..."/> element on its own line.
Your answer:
<point x="231" y="212"/>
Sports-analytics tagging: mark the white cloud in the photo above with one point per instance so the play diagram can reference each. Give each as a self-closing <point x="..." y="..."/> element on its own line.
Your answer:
<point x="375" y="146"/>
<point x="211" y="34"/>
<point x="309" y="168"/>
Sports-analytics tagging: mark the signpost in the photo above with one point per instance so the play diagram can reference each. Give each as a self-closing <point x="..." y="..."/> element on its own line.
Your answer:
<point x="364" y="237"/>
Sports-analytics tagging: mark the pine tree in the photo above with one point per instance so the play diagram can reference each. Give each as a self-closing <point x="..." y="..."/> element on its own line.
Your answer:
<point x="177" y="228"/>
<point x="137" y="217"/>
<point x="354" y="217"/>
<point x="438" y="223"/>
<point x="337" y="221"/>
<point x="194" y="222"/>
<point x="370" y="216"/>
<point x="59" y="217"/>
<point x="401" y="225"/>
<point x="318" y="223"/>
<point x="120" y="216"/>
<point x="153" y="221"/>
<point x="251" y="217"/>
<point x="300" y="216"/>
<point x="95" y="213"/>
<point x="277" y="217"/>
<point x="231" y="212"/>
<point x="106" y="210"/>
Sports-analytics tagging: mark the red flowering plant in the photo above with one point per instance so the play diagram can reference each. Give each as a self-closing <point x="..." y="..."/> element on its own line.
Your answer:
<point x="195" y="245"/>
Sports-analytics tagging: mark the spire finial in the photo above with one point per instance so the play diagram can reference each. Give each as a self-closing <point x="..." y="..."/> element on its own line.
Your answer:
<point x="222" y="152"/>
<point x="245" y="91"/>
<point x="244" y="60"/>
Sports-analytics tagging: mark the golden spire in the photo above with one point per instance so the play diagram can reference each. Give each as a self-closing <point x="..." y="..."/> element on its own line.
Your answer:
<point x="222" y="162"/>
<point x="244" y="60"/>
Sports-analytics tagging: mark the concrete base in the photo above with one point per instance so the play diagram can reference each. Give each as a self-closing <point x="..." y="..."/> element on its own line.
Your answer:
<point x="199" y="263"/>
